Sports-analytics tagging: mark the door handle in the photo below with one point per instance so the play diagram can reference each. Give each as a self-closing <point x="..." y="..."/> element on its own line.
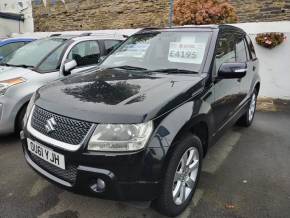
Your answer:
<point x="254" y="68"/>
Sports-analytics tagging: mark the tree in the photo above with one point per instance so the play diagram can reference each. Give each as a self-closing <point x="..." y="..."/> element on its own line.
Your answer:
<point x="204" y="12"/>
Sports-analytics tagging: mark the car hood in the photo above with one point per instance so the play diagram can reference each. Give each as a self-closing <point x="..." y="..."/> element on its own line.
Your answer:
<point x="117" y="96"/>
<point x="12" y="72"/>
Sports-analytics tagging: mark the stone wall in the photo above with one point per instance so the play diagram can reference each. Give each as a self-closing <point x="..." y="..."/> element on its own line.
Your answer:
<point x="113" y="14"/>
<point x="262" y="10"/>
<point x="101" y="14"/>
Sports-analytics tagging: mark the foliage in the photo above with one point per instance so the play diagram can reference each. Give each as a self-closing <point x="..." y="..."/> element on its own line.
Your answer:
<point x="270" y="40"/>
<point x="204" y="12"/>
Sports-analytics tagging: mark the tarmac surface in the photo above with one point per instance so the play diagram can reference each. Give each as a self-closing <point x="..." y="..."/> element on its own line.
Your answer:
<point x="246" y="174"/>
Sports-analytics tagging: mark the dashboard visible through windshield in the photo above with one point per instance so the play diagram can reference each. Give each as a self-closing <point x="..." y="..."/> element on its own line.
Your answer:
<point x="161" y="50"/>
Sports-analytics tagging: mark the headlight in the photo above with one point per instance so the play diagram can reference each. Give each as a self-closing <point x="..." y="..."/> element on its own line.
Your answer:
<point x="5" y="84"/>
<point x="120" y="137"/>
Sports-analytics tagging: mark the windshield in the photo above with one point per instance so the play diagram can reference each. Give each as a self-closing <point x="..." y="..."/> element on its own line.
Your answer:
<point x="161" y="50"/>
<point x="33" y="53"/>
<point x="7" y="49"/>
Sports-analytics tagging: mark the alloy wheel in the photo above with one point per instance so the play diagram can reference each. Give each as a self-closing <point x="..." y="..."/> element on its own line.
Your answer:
<point x="185" y="175"/>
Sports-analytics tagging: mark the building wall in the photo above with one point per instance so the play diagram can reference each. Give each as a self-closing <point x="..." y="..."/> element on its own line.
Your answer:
<point x="274" y="63"/>
<point x="109" y="14"/>
<point x="9" y="26"/>
<point x="99" y="14"/>
<point x="262" y="10"/>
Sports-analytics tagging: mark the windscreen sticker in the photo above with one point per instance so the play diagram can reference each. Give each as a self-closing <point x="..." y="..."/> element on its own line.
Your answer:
<point x="190" y="53"/>
<point x="133" y="50"/>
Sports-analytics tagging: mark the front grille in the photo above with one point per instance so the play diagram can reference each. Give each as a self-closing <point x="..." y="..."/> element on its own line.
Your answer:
<point x="68" y="175"/>
<point x="67" y="130"/>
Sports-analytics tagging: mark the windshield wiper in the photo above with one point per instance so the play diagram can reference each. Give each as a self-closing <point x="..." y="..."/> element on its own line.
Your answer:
<point x="22" y="65"/>
<point x="4" y="64"/>
<point x="127" y="67"/>
<point x="14" y="65"/>
<point x="172" y="71"/>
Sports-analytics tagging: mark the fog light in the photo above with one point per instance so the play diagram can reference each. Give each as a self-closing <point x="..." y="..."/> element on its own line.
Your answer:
<point x="98" y="186"/>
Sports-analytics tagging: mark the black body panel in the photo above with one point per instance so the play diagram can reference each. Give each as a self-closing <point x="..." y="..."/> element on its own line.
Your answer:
<point x="176" y="103"/>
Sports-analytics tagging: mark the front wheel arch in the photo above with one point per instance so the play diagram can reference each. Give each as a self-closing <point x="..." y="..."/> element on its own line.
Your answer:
<point x="20" y="113"/>
<point x="199" y="129"/>
<point x="257" y="87"/>
<point x="164" y="202"/>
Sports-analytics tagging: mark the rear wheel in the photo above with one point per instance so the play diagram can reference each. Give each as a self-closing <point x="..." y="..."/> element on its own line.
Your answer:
<point x="247" y="119"/>
<point x="181" y="176"/>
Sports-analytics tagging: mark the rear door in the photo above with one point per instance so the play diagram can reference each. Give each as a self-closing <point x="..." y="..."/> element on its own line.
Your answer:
<point x="227" y="91"/>
<point x="242" y="56"/>
<point x="252" y="64"/>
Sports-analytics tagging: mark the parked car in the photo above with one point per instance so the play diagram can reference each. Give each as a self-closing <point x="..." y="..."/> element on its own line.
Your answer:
<point x="42" y="61"/>
<point x="8" y="46"/>
<point x="138" y="127"/>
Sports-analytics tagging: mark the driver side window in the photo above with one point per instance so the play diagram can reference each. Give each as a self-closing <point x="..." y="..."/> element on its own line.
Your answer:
<point x="225" y="51"/>
<point x="85" y="53"/>
<point x="230" y="48"/>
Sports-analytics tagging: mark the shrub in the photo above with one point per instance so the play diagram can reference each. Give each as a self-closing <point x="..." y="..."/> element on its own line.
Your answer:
<point x="270" y="40"/>
<point x="204" y="12"/>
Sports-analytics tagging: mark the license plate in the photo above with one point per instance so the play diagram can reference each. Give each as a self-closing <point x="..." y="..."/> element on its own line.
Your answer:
<point x="46" y="154"/>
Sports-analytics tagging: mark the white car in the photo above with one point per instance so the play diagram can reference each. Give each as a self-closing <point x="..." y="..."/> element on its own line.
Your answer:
<point x="43" y="61"/>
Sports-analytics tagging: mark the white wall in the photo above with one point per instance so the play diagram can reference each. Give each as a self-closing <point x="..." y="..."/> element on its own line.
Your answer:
<point x="24" y="7"/>
<point x="274" y="63"/>
<point x="8" y="26"/>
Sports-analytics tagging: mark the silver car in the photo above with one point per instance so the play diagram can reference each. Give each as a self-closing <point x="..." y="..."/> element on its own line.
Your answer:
<point x="43" y="61"/>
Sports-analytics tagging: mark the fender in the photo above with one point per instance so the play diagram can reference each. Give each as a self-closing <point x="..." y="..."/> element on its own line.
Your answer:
<point x="179" y="121"/>
<point x="256" y="80"/>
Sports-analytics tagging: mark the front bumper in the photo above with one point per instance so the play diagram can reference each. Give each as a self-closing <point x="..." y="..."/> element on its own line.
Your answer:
<point x="128" y="177"/>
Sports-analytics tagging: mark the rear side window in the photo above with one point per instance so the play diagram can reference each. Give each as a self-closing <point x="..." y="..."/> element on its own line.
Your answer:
<point x="110" y="45"/>
<point x="251" y="47"/>
<point x="85" y="53"/>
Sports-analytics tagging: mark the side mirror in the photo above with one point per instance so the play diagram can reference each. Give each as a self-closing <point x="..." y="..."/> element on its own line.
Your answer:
<point x="68" y="66"/>
<point x="232" y="70"/>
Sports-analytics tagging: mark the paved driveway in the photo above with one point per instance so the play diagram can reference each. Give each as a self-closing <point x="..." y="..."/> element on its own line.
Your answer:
<point x="247" y="174"/>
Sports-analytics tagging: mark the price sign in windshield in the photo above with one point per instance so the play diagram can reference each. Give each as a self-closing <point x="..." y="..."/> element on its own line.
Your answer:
<point x="186" y="53"/>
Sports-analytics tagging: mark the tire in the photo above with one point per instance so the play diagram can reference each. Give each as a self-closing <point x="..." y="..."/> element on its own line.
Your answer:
<point x="166" y="204"/>
<point x="247" y="119"/>
<point x="19" y="120"/>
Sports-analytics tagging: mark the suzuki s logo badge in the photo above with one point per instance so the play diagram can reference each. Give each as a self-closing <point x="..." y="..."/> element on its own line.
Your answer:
<point x="50" y="125"/>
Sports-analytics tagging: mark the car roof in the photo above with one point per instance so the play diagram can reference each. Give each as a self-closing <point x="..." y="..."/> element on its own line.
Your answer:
<point x="17" y="39"/>
<point x="210" y="27"/>
<point x="84" y="36"/>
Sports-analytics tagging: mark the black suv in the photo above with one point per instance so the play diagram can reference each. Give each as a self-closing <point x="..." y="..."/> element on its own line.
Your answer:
<point x="138" y="126"/>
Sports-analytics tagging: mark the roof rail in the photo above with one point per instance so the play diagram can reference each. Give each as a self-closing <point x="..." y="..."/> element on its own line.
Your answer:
<point x="147" y="29"/>
<point x="104" y="34"/>
<point x="85" y="34"/>
<point x="55" y="34"/>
